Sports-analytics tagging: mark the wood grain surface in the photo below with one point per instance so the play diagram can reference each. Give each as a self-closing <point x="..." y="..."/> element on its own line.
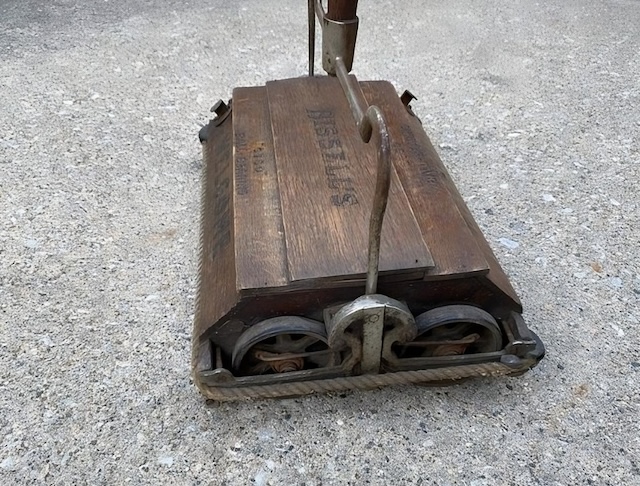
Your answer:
<point x="259" y="234"/>
<point x="428" y="187"/>
<point x="327" y="177"/>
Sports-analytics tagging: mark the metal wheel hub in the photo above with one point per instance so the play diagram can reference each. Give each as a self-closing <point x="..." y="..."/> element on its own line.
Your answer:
<point x="282" y="344"/>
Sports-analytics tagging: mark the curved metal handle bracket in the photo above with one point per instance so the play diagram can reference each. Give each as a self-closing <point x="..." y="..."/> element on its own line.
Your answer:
<point x="369" y="119"/>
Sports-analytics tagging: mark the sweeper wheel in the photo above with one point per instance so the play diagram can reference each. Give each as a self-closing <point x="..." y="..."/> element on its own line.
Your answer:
<point x="453" y="330"/>
<point x="282" y="344"/>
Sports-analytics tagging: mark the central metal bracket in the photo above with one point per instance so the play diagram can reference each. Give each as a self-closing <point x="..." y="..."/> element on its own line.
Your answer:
<point x="362" y="324"/>
<point x="338" y="39"/>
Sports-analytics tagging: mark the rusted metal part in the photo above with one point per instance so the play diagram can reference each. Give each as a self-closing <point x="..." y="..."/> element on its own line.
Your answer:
<point x="446" y="347"/>
<point x="450" y="350"/>
<point x="407" y="97"/>
<point x="457" y="322"/>
<point x="287" y="365"/>
<point x="340" y="29"/>
<point x="445" y="332"/>
<point x="338" y="39"/>
<point x="383" y="182"/>
<point x="364" y="321"/>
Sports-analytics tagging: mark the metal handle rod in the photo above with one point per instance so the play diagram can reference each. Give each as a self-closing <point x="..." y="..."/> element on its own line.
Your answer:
<point x="312" y="34"/>
<point x="320" y="13"/>
<point x="369" y="118"/>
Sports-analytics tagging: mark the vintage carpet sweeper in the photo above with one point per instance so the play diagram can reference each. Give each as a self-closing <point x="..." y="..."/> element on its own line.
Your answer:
<point x="336" y="250"/>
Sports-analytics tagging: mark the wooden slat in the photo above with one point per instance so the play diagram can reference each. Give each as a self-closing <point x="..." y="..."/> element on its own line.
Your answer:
<point x="259" y="236"/>
<point x="429" y="188"/>
<point x="327" y="179"/>
<point x="217" y="286"/>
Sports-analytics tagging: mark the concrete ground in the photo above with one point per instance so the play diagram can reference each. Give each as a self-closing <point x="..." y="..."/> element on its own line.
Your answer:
<point x="534" y="107"/>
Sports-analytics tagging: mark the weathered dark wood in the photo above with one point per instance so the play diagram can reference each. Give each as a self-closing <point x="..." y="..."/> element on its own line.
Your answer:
<point x="327" y="181"/>
<point x="217" y="287"/>
<point x="428" y="187"/>
<point x="259" y="235"/>
<point x="454" y="238"/>
<point x="342" y="9"/>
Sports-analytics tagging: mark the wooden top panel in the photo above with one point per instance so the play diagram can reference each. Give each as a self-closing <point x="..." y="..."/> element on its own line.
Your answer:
<point x="431" y="192"/>
<point x="327" y="180"/>
<point x="259" y="235"/>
